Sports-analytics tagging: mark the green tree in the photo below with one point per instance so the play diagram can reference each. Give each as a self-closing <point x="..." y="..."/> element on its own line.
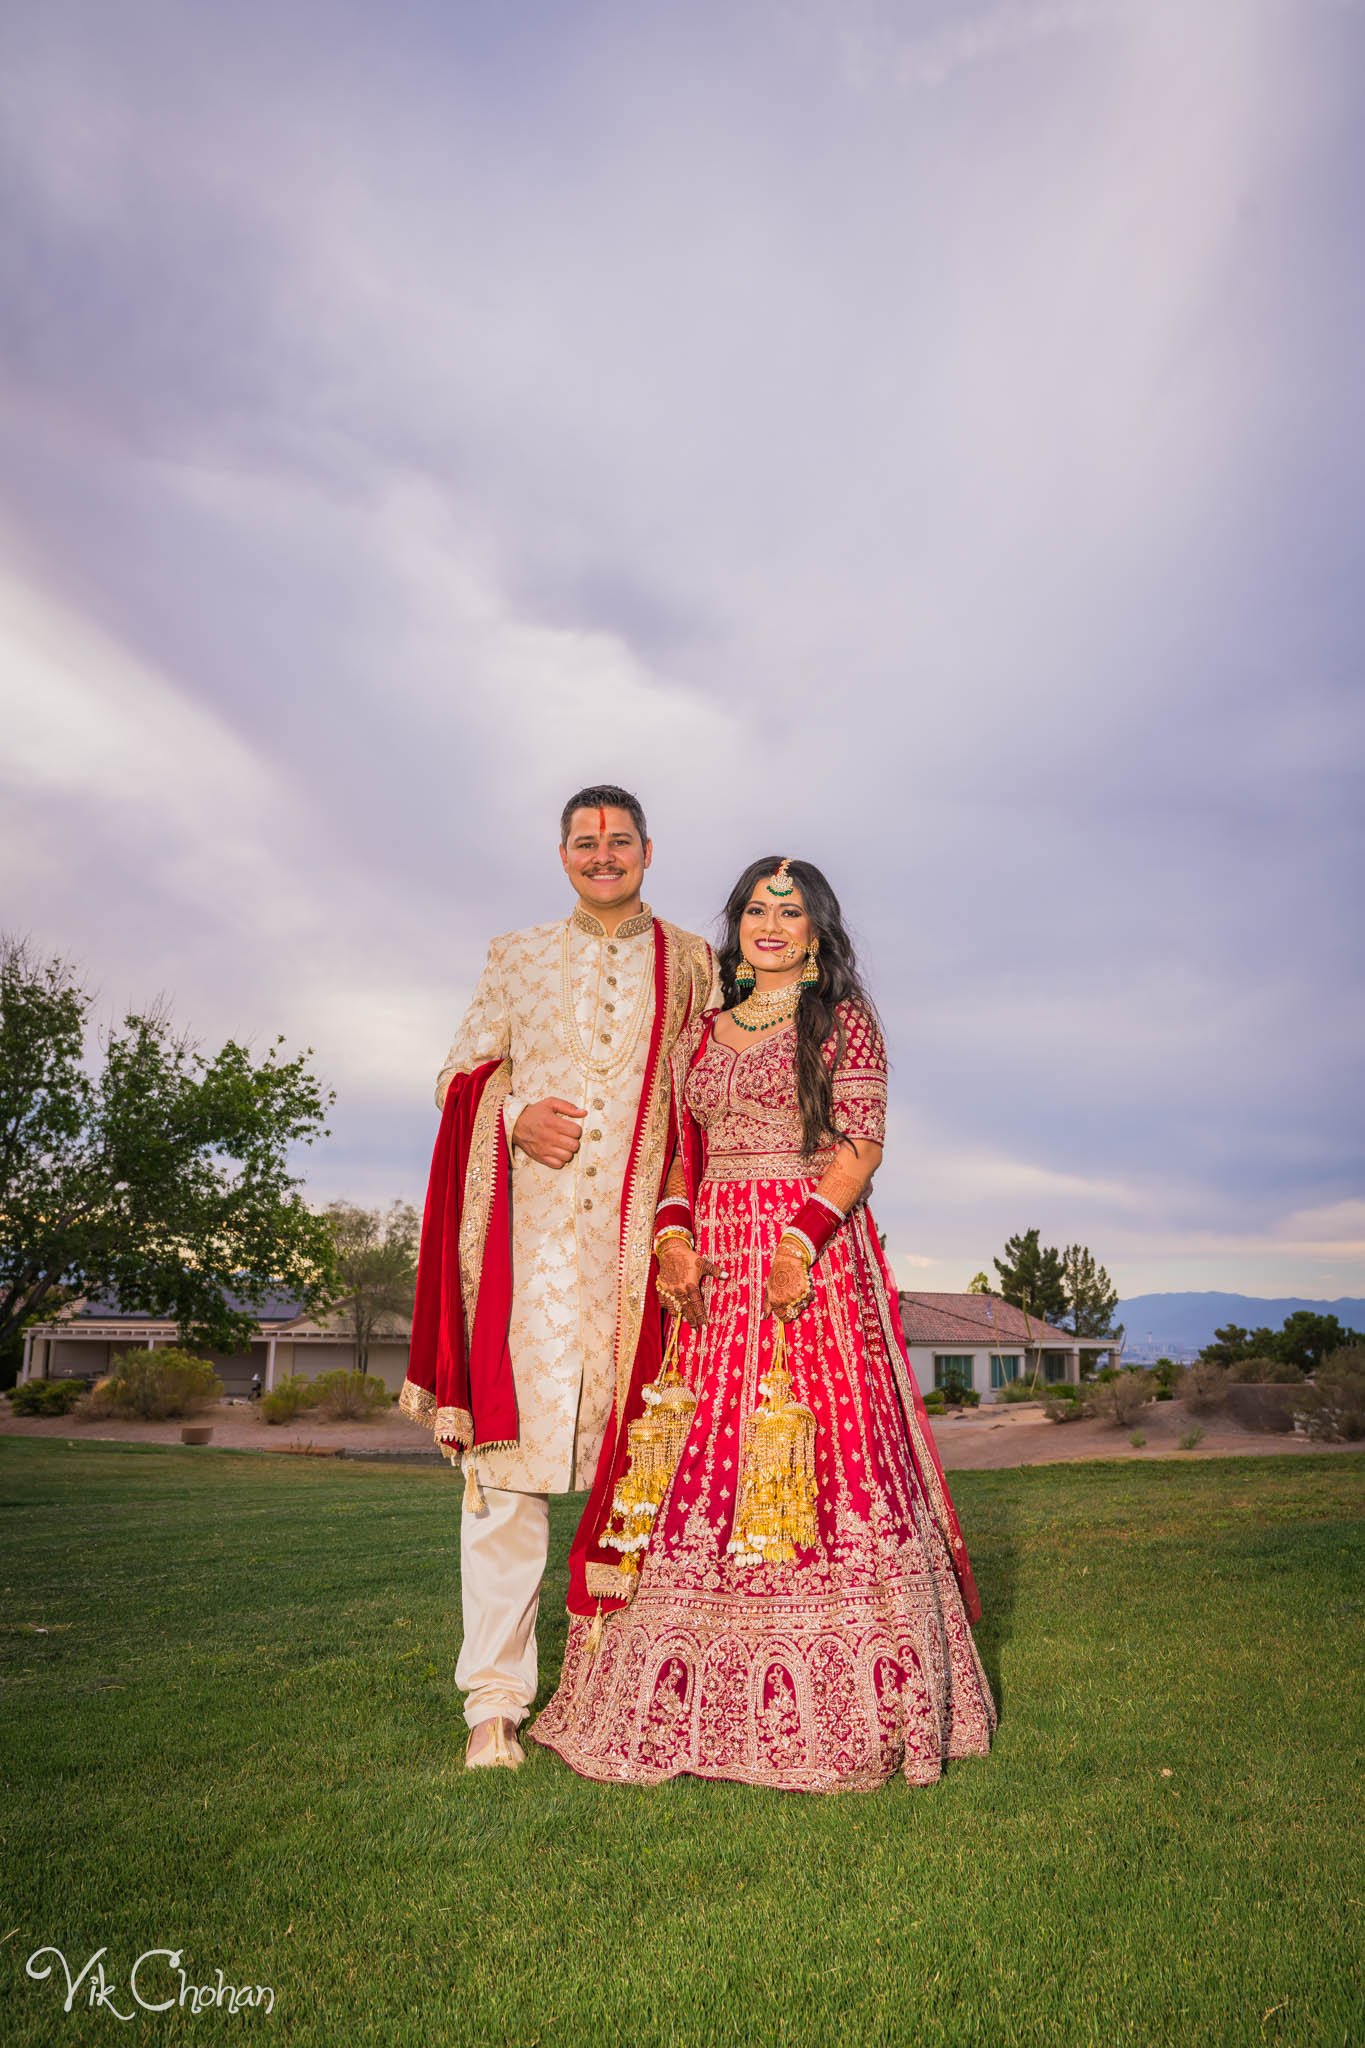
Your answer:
<point x="153" y="1173"/>
<point x="1308" y="1338"/>
<point x="376" y="1268"/>
<point x="1091" y="1298"/>
<point x="1305" y="1340"/>
<point x="1031" y="1277"/>
<point x="980" y="1284"/>
<point x="1230" y="1345"/>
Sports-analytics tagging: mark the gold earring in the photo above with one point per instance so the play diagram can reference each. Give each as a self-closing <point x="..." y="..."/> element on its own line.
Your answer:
<point x="810" y="973"/>
<point x="744" y="974"/>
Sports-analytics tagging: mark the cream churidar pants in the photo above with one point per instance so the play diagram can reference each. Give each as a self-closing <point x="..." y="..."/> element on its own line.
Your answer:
<point x="503" y="1550"/>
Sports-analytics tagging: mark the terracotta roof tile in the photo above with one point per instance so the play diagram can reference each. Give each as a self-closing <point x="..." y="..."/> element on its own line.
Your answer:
<point x="976" y="1319"/>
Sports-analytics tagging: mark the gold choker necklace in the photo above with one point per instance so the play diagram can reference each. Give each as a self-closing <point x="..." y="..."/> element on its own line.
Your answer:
<point x="764" y="1009"/>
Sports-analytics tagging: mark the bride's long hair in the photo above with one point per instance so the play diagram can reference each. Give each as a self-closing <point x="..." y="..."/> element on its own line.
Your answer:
<point x="817" y="1015"/>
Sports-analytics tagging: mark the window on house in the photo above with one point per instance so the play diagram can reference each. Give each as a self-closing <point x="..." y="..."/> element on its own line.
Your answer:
<point x="1054" y="1365"/>
<point x="1003" y="1370"/>
<point x="952" y="1368"/>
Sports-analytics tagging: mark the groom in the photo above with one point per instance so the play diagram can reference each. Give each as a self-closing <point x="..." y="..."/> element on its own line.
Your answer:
<point x="534" y="1288"/>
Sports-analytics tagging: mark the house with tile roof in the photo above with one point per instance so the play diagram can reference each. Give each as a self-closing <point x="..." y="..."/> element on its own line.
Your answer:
<point x="83" y="1342"/>
<point x="983" y="1342"/>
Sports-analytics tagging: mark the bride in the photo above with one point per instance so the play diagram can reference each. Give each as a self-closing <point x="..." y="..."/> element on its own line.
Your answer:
<point x="800" y="1597"/>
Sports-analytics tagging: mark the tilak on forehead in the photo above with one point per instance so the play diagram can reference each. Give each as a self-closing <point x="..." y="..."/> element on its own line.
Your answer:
<point x="780" y="884"/>
<point x="601" y="819"/>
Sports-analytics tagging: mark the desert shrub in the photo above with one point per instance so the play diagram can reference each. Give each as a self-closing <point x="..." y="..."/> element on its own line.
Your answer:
<point x="1061" y="1390"/>
<point x="287" y="1399"/>
<point x="154" y="1385"/>
<point x="46" y="1397"/>
<point x="1166" y="1373"/>
<point x="1331" y="1405"/>
<point x="1191" y="1437"/>
<point x="1263" y="1408"/>
<point x="1063" y="1411"/>
<point x="1138" y="1439"/>
<point x="934" y="1403"/>
<point x="1122" y="1399"/>
<point x="1265" y="1372"/>
<point x="349" y="1396"/>
<point x="1205" y="1387"/>
<point x="1020" y="1390"/>
<point x="1106" y="1376"/>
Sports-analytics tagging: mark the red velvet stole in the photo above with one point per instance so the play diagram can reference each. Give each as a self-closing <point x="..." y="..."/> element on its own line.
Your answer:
<point x="586" y="1551"/>
<point x="459" y="1379"/>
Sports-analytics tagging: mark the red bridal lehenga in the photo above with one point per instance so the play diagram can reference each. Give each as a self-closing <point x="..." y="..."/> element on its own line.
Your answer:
<point x="854" y="1660"/>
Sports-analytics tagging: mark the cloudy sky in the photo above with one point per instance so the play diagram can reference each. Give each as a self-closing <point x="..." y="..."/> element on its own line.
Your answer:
<point x="926" y="438"/>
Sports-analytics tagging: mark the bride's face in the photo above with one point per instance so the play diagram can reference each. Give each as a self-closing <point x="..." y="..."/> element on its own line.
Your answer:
<point x="774" y="931"/>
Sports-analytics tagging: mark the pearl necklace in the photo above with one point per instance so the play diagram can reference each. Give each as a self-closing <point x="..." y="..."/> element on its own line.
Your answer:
<point x="768" y="1007"/>
<point x="616" y="1062"/>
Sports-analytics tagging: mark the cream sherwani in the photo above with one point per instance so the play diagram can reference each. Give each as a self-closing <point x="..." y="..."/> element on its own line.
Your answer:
<point x="573" y="1009"/>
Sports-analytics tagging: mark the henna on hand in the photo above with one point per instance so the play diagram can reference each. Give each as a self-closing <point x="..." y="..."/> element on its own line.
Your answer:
<point x="681" y="1272"/>
<point x="788" y="1289"/>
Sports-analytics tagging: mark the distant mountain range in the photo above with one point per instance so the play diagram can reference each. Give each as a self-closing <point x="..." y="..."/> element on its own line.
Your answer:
<point x="1179" y="1325"/>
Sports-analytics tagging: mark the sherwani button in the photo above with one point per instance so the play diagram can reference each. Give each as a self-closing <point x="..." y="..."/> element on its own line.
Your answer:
<point x="596" y="1136"/>
<point x="597" y="1102"/>
<point x="592" y="1169"/>
<point x="587" y="1204"/>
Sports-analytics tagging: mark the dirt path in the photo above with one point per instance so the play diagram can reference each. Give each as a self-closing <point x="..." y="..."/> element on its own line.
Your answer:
<point x="986" y="1439"/>
<point x="980" y="1440"/>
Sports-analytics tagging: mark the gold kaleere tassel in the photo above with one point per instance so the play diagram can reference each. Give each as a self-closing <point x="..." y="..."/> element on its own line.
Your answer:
<point x="594" y="1642"/>
<point x="654" y="1443"/>
<point x="776" y="1508"/>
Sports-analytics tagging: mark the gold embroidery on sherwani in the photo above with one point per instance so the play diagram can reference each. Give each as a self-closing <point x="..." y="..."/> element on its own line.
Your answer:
<point x="565" y="1234"/>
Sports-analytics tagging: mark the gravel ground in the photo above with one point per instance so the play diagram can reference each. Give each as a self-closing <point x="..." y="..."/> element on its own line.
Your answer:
<point x="981" y="1439"/>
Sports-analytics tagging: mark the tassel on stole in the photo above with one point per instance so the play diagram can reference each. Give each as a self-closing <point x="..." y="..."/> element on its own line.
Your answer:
<point x="473" y="1492"/>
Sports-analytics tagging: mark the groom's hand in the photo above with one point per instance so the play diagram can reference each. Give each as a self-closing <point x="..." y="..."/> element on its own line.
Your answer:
<point x="549" y="1131"/>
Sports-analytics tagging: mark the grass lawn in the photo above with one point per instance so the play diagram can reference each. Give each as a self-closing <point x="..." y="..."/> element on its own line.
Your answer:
<point x="232" y="1729"/>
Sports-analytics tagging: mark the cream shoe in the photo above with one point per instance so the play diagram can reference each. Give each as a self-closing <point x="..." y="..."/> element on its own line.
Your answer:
<point x="493" y="1745"/>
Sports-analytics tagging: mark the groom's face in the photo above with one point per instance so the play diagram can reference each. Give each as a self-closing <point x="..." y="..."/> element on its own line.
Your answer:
<point x="605" y="857"/>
